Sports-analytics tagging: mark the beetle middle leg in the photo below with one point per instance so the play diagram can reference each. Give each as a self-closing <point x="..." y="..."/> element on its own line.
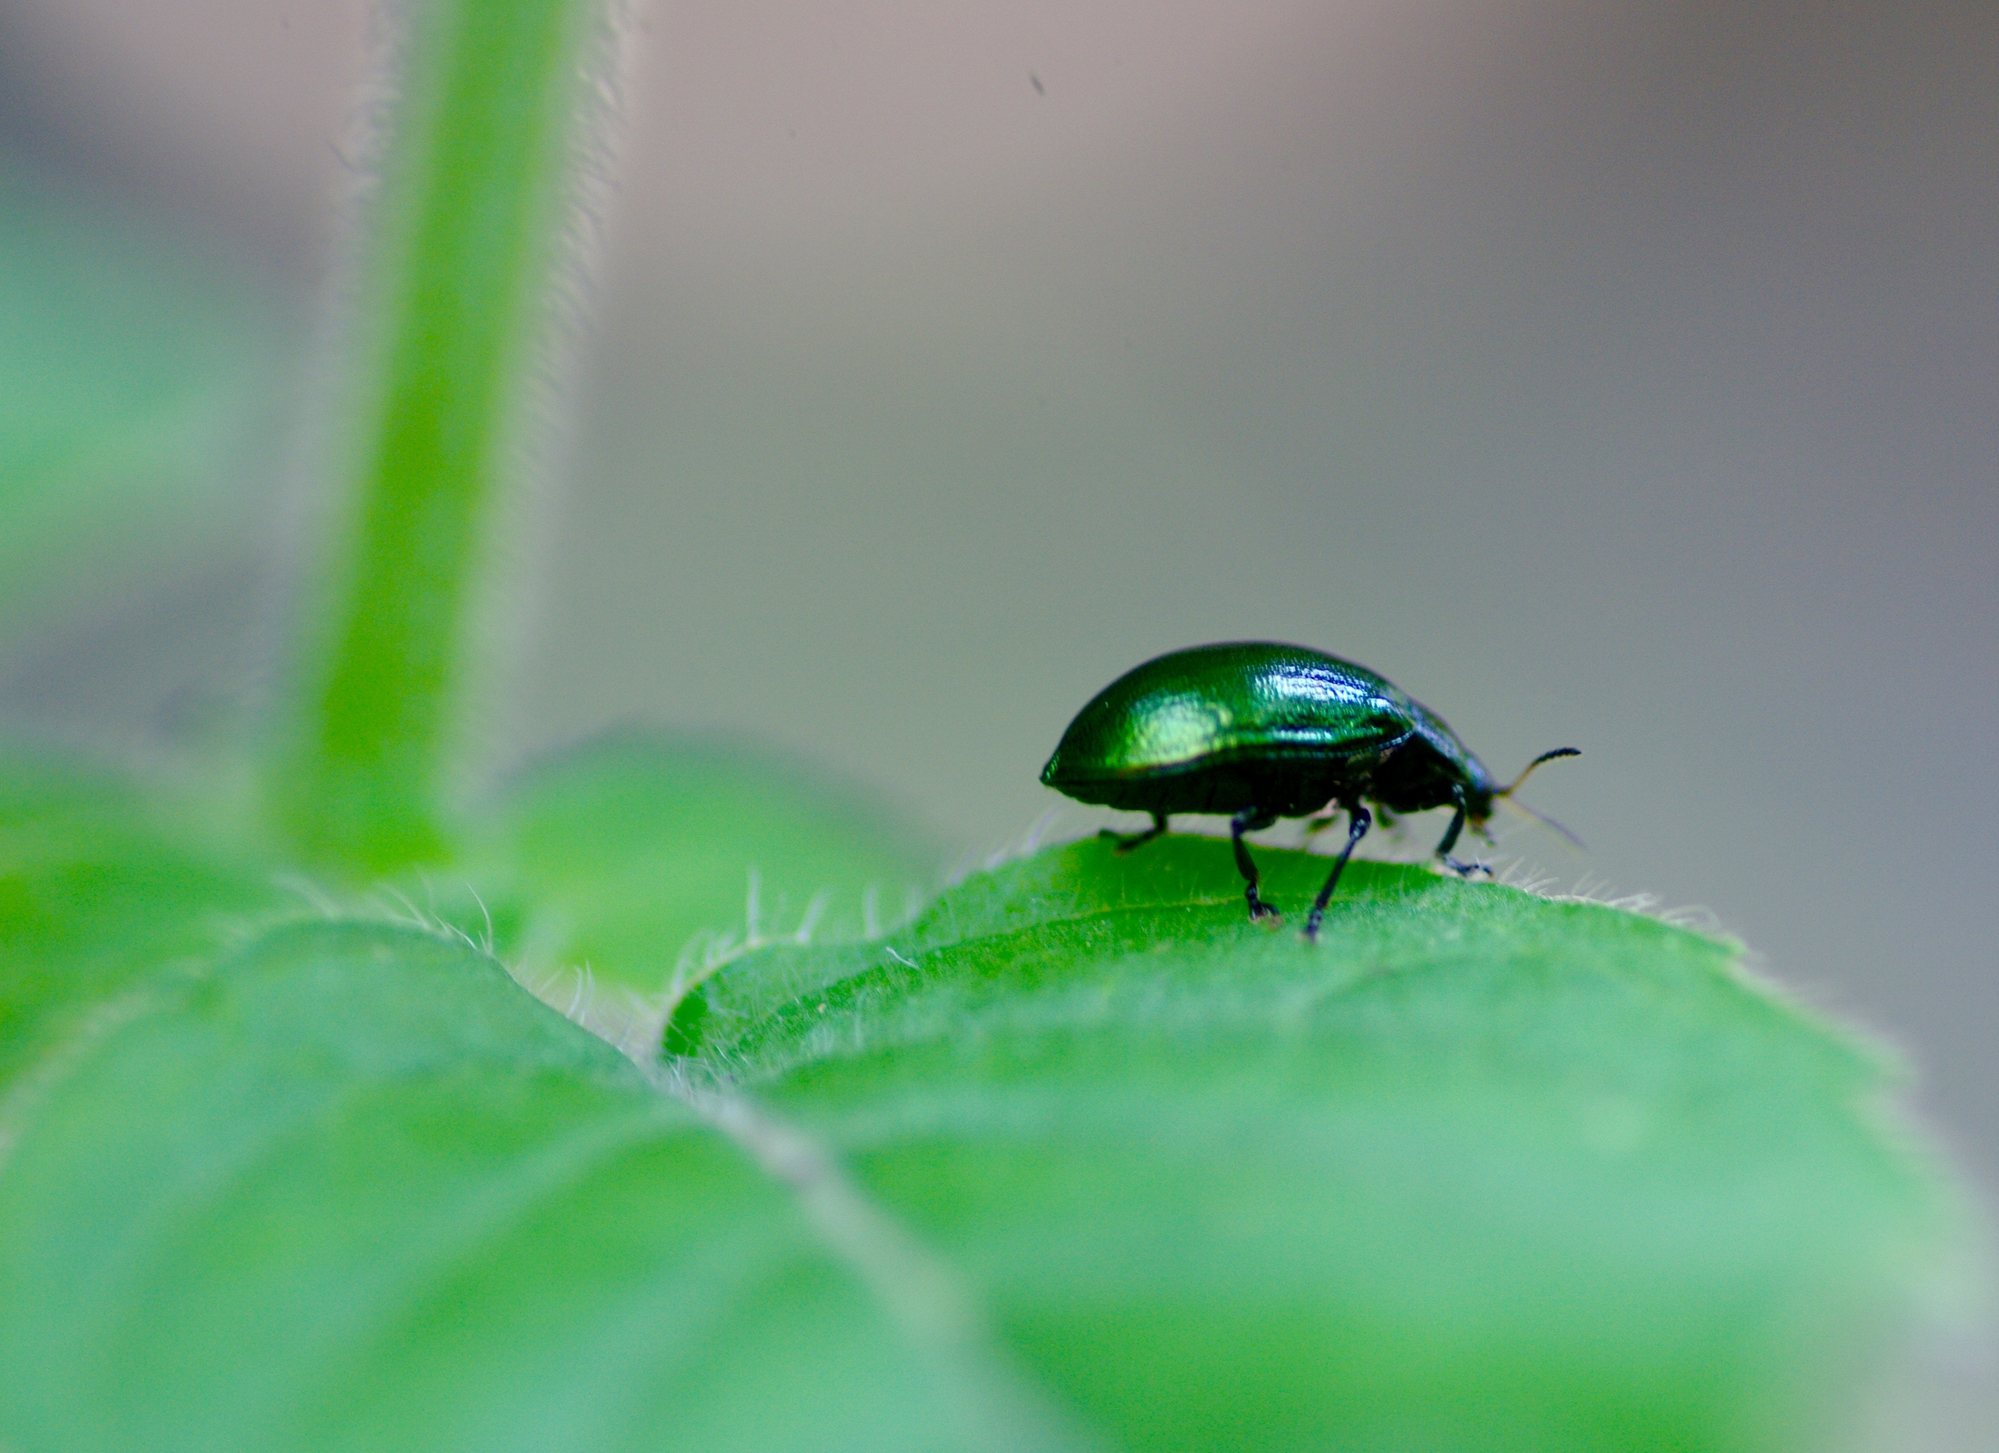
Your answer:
<point x="1250" y="819"/>
<point x="1463" y="870"/>
<point x="1358" y="821"/>
<point x="1131" y="843"/>
<point x="1382" y="818"/>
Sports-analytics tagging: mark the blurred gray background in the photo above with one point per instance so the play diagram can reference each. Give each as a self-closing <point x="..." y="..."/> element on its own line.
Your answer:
<point x="1617" y="375"/>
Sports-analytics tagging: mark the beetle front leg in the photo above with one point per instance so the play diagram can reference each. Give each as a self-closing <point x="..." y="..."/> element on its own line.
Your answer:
<point x="1357" y="825"/>
<point x="1250" y="819"/>
<point x="1463" y="870"/>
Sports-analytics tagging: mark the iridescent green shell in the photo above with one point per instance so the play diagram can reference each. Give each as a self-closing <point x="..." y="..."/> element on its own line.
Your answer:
<point x="1253" y="723"/>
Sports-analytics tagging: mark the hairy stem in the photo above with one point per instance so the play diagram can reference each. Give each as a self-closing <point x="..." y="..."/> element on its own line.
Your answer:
<point x="465" y="236"/>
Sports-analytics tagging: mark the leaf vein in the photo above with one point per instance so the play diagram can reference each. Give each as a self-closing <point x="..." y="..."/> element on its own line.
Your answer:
<point x="993" y="1404"/>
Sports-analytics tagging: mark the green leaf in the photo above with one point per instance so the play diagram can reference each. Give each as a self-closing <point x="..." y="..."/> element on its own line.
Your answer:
<point x="644" y="854"/>
<point x="1078" y="1158"/>
<point x="131" y="371"/>
<point x="1479" y="1170"/>
<point x="98" y="893"/>
<point x="351" y="1188"/>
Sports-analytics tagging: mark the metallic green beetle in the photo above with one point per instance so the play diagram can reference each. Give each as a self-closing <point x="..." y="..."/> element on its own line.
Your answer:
<point x="1260" y="731"/>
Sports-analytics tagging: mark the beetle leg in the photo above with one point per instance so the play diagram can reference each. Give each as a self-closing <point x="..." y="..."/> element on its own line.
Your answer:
<point x="1463" y="870"/>
<point x="1250" y="819"/>
<point x="1136" y="840"/>
<point x="1358" y="821"/>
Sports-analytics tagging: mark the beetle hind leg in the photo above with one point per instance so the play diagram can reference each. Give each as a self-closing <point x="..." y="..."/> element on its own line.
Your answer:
<point x="1123" y="843"/>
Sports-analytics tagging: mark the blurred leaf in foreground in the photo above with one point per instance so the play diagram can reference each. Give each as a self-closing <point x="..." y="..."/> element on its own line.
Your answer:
<point x="353" y="1188"/>
<point x="100" y="893"/>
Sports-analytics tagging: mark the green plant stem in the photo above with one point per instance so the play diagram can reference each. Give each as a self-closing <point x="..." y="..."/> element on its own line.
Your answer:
<point x="465" y="237"/>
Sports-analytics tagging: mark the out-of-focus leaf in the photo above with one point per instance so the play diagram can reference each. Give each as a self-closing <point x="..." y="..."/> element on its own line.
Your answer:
<point x="132" y="370"/>
<point x="638" y="853"/>
<point x="97" y="894"/>
<point x="352" y="1188"/>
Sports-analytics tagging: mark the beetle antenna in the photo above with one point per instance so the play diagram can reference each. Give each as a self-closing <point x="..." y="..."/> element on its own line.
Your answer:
<point x="1545" y="820"/>
<point x="1507" y="790"/>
